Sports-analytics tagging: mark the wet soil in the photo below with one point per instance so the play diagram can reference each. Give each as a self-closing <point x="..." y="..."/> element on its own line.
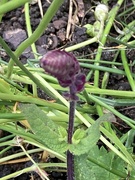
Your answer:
<point x="13" y="30"/>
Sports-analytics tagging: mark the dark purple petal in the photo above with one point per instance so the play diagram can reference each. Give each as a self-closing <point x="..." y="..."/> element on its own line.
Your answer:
<point x="80" y="80"/>
<point x="69" y="97"/>
<point x="65" y="82"/>
<point x="60" y="64"/>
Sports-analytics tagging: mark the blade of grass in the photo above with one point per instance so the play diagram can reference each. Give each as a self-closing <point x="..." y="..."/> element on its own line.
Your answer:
<point x="124" y="58"/>
<point x="112" y="15"/>
<point x="10" y="5"/>
<point x="127" y="120"/>
<point x="29" y="99"/>
<point x="105" y="69"/>
<point x="29" y="30"/>
<point x="110" y="92"/>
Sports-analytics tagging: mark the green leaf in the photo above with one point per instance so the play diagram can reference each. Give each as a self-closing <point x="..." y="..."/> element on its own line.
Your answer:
<point x="85" y="144"/>
<point x="91" y="136"/>
<point x="43" y="127"/>
<point x="78" y="135"/>
<point x="98" y="164"/>
<point x="81" y="170"/>
<point x="62" y="134"/>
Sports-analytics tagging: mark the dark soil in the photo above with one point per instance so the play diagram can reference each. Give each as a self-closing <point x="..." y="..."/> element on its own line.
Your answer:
<point x="13" y="30"/>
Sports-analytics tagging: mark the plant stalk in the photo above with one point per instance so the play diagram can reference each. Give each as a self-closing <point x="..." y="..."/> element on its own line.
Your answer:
<point x="70" y="157"/>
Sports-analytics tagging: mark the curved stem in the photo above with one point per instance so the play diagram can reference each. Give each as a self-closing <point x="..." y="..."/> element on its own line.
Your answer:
<point x="37" y="33"/>
<point x="8" y="6"/>
<point x="82" y="44"/>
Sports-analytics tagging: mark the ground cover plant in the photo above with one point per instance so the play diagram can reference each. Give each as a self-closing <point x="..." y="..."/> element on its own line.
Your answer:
<point x="68" y="112"/>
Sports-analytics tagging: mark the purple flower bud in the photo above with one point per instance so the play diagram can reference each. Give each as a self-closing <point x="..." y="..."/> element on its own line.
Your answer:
<point x="76" y="87"/>
<point x="62" y="65"/>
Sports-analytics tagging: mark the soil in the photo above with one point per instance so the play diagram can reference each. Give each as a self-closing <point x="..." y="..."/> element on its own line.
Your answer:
<point x="13" y="30"/>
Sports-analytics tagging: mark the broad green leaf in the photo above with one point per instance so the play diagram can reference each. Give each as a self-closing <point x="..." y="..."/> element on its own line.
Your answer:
<point x="43" y="127"/>
<point x="85" y="144"/>
<point x="81" y="170"/>
<point x="96" y="165"/>
<point x="91" y="136"/>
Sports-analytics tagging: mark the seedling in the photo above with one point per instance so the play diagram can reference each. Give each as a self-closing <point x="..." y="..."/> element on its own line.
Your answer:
<point x="101" y="14"/>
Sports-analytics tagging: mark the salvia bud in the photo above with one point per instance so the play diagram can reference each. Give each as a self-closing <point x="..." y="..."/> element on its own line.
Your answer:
<point x="60" y="64"/>
<point x="65" y="67"/>
<point x="79" y="82"/>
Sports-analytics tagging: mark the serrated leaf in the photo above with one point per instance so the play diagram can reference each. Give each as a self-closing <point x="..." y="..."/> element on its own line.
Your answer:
<point x="81" y="170"/>
<point x="88" y="170"/>
<point x="43" y="127"/>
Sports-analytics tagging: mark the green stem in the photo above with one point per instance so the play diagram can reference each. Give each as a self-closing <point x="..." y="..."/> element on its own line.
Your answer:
<point x="37" y="33"/>
<point x="127" y="120"/>
<point x="105" y="69"/>
<point x="18" y="155"/>
<point x="29" y="30"/>
<point x="128" y="35"/>
<point x="1" y="3"/>
<point x="10" y="5"/>
<point x="109" y="24"/>
<point x="6" y="143"/>
<point x="42" y="174"/>
<point x="82" y="44"/>
<point x="15" y="85"/>
<point x="3" y="151"/>
<point x="33" y="168"/>
<point x="6" y="138"/>
<point x="127" y="70"/>
<point x="9" y="97"/>
<point x="116" y="93"/>
<point x="24" y="69"/>
<point x="15" y="174"/>
<point x="118" y="102"/>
